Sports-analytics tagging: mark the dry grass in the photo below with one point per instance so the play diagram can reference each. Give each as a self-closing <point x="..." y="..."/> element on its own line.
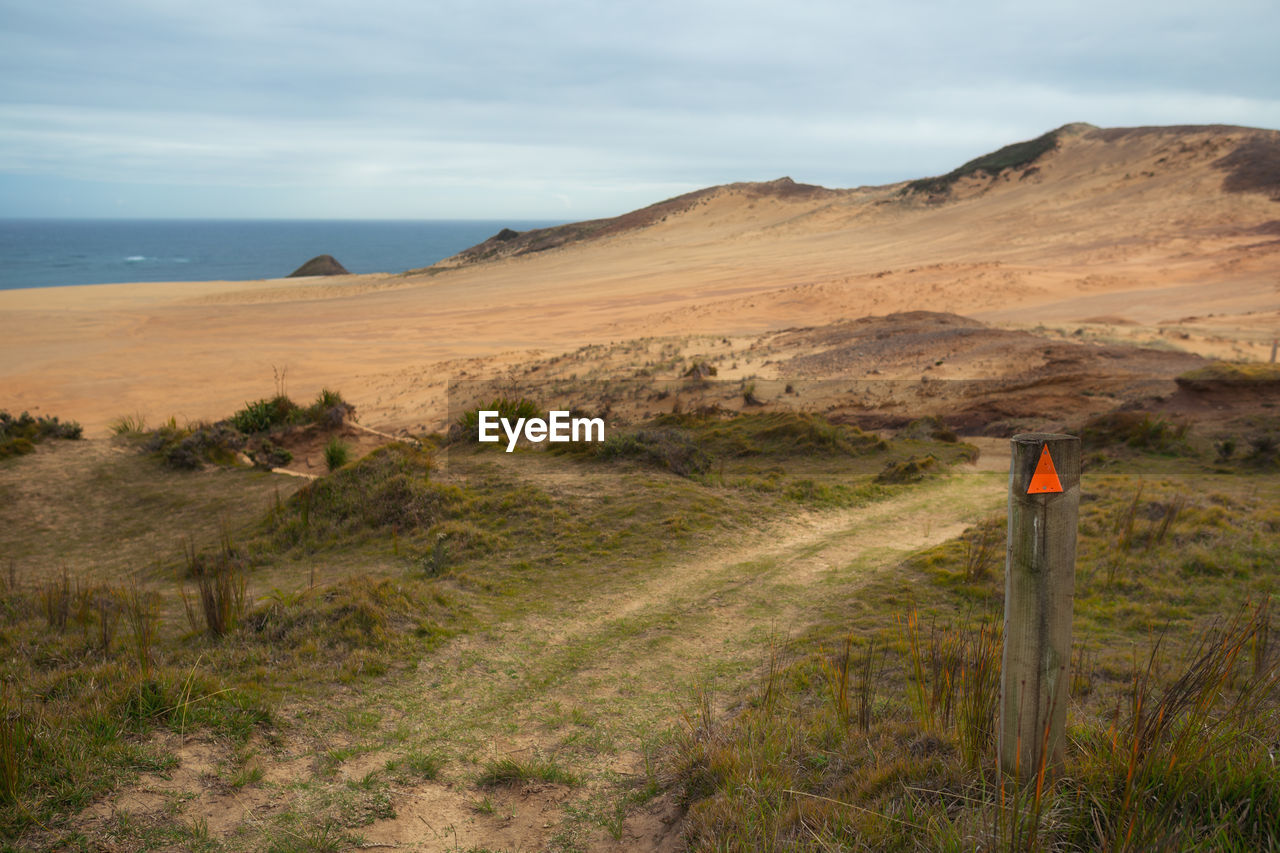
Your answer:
<point x="1169" y="754"/>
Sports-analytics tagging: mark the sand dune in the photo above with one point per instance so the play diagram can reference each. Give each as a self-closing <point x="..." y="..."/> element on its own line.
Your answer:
<point x="1168" y="234"/>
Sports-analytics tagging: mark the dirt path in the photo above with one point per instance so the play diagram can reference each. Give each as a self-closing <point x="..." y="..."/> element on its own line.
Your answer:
<point x="596" y="686"/>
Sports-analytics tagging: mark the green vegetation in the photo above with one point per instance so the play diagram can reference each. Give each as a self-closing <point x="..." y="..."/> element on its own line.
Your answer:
<point x="1135" y="430"/>
<point x="215" y="651"/>
<point x="308" y="623"/>
<point x="336" y="454"/>
<point x="468" y="424"/>
<point x="255" y="431"/>
<point x="908" y="470"/>
<point x="510" y="771"/>
<point x="189" y="448"/>
<point x="20" y="435"/>
<point x="1009" y="157"/>
<point x="1226" y="373"/>
<point x="264" y="415"/>
<point x="887" y="743"/>
<point x="689" y="444"/>
<point x="129" y="424"/>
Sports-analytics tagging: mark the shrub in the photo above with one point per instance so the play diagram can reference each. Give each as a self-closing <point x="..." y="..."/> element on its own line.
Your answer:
<point x="931" y="427"/>
<point x="262" y="415"/>
<point x="330" y="410"/>
<point x="664" y="447"/>
<point x="189" y="448"/>
<point x="19" y="435"/>
<point x="268" y="454"/>
<point x="908" y="470"/>
<point x="773" y="434"/>
<point x="336" y="453"/>
<point x="16" y="447"/>
<point x="468" y="425"/>
<point x="1264" y="449"/>
<point x="1138" y="430"/>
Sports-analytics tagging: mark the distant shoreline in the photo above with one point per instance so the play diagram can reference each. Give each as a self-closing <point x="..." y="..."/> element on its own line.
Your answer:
<point x="41" y="253"/>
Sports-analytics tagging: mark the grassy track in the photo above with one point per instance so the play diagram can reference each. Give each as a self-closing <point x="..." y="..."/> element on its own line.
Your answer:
<point x="595" y="685"/>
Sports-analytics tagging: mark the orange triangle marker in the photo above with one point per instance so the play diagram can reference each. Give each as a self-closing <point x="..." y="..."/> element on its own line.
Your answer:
<point x="1045" y="479"/>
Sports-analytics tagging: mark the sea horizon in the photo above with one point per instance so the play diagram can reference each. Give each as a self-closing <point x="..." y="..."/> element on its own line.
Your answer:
<point x="42" y="252"/>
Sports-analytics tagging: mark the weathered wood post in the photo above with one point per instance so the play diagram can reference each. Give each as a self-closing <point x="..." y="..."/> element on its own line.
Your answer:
<point x="1040" y="568"/>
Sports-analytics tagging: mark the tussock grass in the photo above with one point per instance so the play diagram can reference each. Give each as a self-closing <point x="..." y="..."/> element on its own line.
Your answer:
<point x="1165" y="751"/>
<point x="514" y="771"/>
<point x="359" y="612"/>
<point x="336" y="454"/>
<point x="221" y="587"/>
<point x="134" y="424"/>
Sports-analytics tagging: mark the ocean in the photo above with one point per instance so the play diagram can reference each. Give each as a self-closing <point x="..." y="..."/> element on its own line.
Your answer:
<point x="57" y="252"/>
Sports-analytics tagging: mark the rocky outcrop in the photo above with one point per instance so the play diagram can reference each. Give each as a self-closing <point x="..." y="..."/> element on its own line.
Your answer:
<point x="320" y="265"/>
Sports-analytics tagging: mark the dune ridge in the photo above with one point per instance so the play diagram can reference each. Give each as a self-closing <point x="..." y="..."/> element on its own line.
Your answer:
<point x="1166" y="234"/>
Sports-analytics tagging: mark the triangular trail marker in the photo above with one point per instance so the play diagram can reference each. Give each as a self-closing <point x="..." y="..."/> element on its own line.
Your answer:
<point x="1045" y="479"/>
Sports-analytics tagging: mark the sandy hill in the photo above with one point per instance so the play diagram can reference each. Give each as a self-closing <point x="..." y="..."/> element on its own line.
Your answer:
<point x="1167" y="235"/>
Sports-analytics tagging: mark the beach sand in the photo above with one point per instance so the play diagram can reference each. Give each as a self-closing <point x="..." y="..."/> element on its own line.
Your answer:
<point x="1132" y="238"/>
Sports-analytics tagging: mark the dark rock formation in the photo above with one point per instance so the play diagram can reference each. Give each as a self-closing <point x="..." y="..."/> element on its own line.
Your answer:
<point x="320" y="265"/>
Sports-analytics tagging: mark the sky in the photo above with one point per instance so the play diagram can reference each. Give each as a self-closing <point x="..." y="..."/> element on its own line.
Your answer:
<point x="561" y="110"/>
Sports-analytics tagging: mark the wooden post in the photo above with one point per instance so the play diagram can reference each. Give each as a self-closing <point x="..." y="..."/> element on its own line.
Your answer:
<point x="1040" y="567"/>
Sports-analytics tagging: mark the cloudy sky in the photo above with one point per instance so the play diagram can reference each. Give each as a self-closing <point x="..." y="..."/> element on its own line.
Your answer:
<point x="562" y="109"/>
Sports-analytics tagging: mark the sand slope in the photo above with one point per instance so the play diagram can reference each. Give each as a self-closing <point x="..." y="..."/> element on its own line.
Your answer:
<point x="1133" y="232"/>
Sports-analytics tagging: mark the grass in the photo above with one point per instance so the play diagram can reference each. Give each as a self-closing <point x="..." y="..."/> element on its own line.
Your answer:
<point x="1137" y="430"/>
<point x="1221" y="374"/>
<point x="709" y="442"/>
<point x="1163" y="746"/>
<point x="336" y="454"/>
<point x="134" y="424"/>
<point x="418" y="765"/>
<point x="220" y="589"/>
<point x="351" y="583"/>
<point x="512" y="409"/>
<point x="514" y="771"/>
